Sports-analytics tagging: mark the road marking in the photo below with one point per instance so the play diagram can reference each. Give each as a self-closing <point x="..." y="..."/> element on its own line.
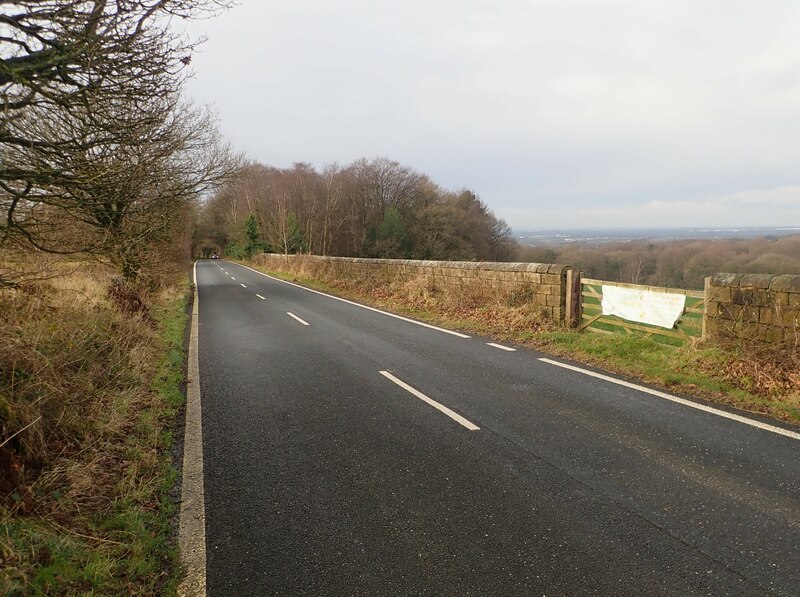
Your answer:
<point x="261" y="297"/>
<point x="293" y="316"/>
<point x="192" y="522"/>
<point x="400" y="317"/>
<point x="232" y="278"/>
<point x="689" y="403"/>
<point x="501" y="347"/>
<point x="242" y="285"/>
<point x="440" y="407"/>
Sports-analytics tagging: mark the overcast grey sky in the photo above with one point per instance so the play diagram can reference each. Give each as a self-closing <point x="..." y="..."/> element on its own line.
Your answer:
<point x="579" y="113"/>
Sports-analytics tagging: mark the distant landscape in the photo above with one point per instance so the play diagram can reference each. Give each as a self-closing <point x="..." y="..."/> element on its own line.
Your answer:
<point x="675" y="258"/>
<point x="555" y="236"/>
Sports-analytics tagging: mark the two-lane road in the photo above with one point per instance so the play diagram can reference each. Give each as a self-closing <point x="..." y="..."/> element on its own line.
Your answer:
<point x="351" y="452"/>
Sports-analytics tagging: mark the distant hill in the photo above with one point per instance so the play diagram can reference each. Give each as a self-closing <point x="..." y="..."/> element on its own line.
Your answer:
<point x="554" y="236"/>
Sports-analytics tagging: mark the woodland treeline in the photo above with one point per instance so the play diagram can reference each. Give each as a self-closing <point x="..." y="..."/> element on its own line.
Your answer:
<point x="675" y="263"/>
<point x="370" y="208"/>
<point x="380" y="208"/>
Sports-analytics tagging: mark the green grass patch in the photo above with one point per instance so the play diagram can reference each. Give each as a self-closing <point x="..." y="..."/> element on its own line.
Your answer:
<point x="683" y="369"/>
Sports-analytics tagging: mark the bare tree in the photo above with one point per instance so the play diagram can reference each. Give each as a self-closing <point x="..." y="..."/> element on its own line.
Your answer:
<point x="91" y="120"/>
<point x="373" y="186"/>
<point x="331" y="225"/>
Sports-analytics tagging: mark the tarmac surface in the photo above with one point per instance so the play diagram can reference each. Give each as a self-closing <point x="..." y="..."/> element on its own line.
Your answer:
<point x="349" y="452"/>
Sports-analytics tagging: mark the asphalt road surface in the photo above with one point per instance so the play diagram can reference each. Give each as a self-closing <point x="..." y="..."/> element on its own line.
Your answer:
<point x="348" y="452"/>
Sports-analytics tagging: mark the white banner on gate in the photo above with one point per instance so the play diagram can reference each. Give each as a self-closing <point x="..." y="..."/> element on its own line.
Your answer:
<point x="656" y="308"/>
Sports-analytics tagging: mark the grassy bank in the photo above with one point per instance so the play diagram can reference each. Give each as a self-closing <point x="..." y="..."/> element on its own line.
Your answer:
<point x="88" y="392"/>
<point x="766" y="381"/>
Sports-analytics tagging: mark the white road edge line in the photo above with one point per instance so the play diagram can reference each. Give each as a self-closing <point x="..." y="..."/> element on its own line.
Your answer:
<point x="683" y="401"/>
<point x="501" y="347"/>
<point x="400" y="317"/>
<point x="192" y="524"/>
<point x="263" y="298"/>
<point x="242" y="285"/>
<point x="293" y="316"/>
<point x="440" y="407"/>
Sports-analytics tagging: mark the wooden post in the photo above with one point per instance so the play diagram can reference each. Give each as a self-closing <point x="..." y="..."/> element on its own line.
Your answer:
<point x="572" y="315"/>
<point x="706" y="292"/>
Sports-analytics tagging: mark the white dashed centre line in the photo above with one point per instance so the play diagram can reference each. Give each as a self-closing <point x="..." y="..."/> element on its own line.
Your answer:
<point x="261" y="297"/>
<point x="232" y="278"/>
<point x="440" y="407"/>
<point x="337" y="298"/>
<point x="242" y="285"/>
<point x="293" y="316"/>
<point x="501" y="347"/>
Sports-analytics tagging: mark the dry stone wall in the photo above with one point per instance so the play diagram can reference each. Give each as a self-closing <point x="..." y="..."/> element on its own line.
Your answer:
<point x="752" y="307"/>
<point x="542" y="285"/>
<point x="756" y="307"/>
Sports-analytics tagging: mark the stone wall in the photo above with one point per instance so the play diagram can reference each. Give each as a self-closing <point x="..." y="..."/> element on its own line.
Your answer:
<point x="757" y="307"/>
<point x="542" y="285"/>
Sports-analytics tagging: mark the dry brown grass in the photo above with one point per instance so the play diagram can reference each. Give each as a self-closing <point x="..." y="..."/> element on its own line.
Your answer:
<point x="67" y="362"/>
<point x="496" y="312"/>
<point x="764" y="369"/>
<point x="81" y="285"/>
<point x="82" y="431"/>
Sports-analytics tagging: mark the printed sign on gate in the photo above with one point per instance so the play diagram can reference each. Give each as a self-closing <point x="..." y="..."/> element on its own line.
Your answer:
<point x="654" y="308"/>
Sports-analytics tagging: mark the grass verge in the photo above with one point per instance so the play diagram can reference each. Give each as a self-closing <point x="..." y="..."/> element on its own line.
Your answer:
<point x="767" y="383"/>
<point x="87" y="397"/>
